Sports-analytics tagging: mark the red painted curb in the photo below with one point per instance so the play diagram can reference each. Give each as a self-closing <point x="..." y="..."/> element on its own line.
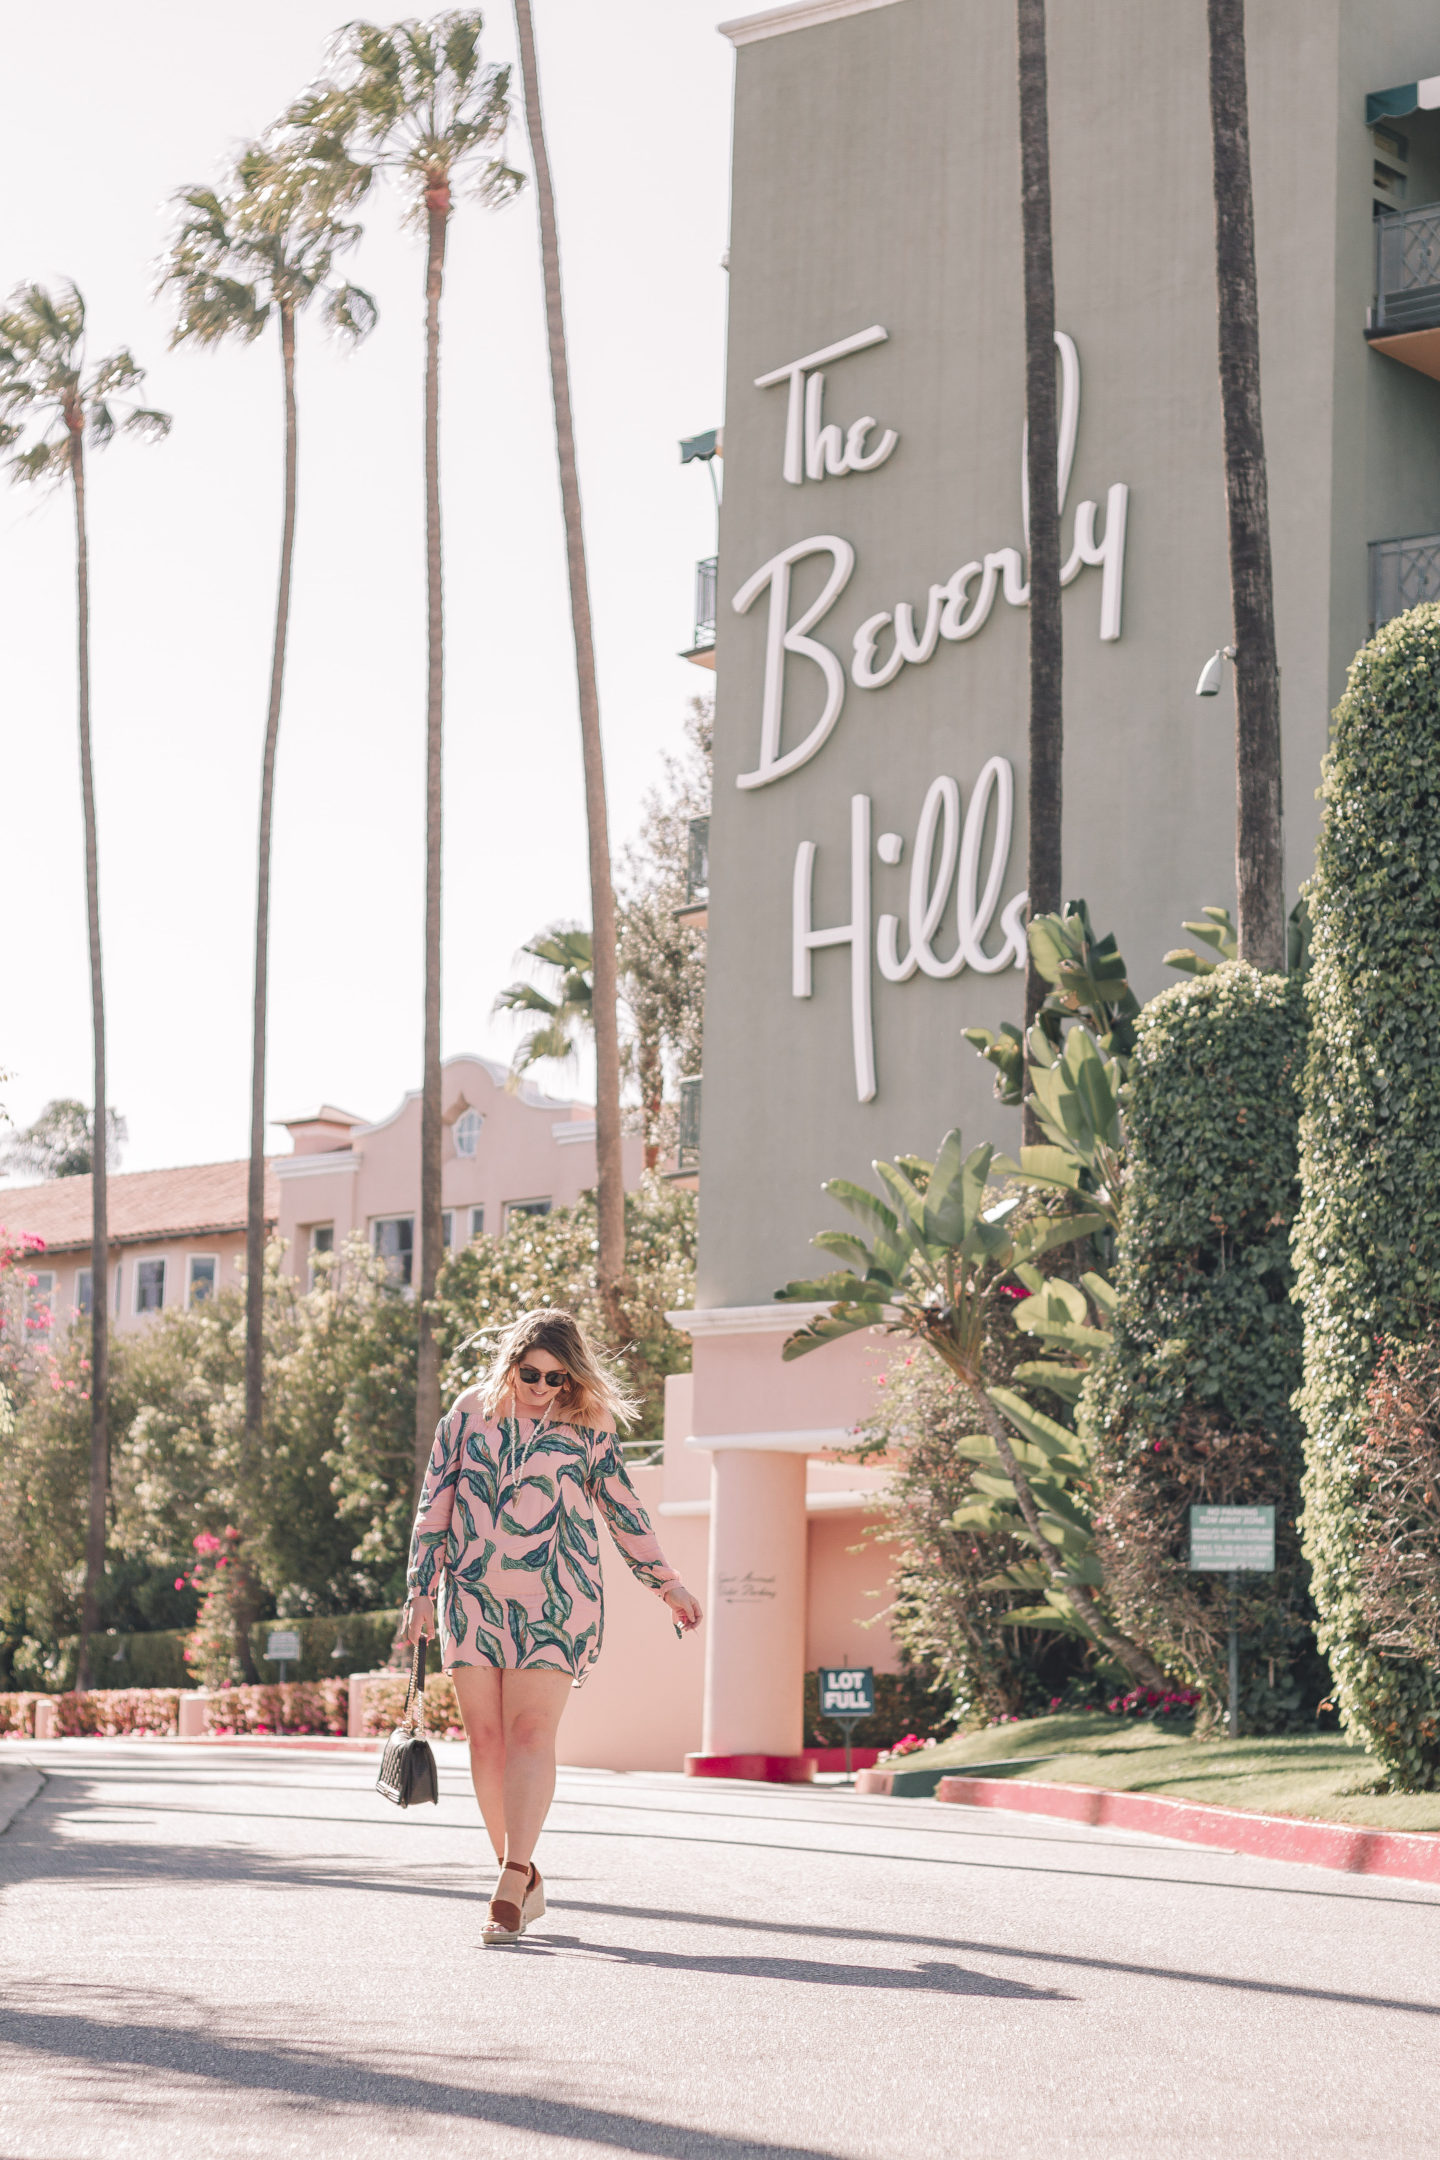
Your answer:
<point x="1414" y="1856"/>
<point x="758" y="1769"/>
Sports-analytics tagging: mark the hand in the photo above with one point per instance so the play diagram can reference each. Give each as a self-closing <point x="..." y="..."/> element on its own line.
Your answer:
<point x="417" y="1622"/>
<point x="684" y="1606"/>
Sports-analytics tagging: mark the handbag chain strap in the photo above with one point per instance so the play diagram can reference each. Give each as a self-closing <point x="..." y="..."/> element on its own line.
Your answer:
<point x="415" y="1688"/>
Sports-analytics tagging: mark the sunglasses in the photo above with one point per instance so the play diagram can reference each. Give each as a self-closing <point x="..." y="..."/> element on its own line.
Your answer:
<point x="533" y="1377"/>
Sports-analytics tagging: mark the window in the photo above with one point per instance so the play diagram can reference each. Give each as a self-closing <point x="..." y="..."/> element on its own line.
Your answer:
<point x="524" y="1207"/>
<point x="119" y="1269"/>
<point x="447" y="1228"/>
<point x="322" y="1240"/>
<point x="393" y="1238"/>
<point x="149" y="1285"/>
<point x="39" y="1300"/>
<point x="477" y="1222"/>
<point x="467" y="1132"/>
<point x="203" y="1278"/>
<point x="84" y="1290"/>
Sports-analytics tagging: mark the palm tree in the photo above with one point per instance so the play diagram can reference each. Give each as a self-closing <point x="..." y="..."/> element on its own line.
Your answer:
<point x="610" y="1183"/>
<point x="1047" y="718"/>
<point x="1259" y="802"/>
<point x="265" y="248"/>
<point x="564" y="1018"/>
<point x="416" y="101"/>
<point x="53" y="404"/>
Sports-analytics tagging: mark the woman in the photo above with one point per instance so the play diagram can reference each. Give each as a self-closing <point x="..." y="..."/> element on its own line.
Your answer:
<point x="506" y="1530"/>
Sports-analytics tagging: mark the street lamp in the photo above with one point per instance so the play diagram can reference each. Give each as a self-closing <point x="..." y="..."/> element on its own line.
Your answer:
<point x="1212" y="675"/>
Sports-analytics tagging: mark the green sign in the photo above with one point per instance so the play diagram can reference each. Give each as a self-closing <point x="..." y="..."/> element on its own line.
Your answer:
<point x="1225" y="1538"/>
<point x="282" y="1647"/>
<point x="847" y="1691"/>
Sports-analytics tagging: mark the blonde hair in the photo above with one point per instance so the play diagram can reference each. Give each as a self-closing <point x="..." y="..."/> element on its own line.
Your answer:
<point x="594" y="1394"/>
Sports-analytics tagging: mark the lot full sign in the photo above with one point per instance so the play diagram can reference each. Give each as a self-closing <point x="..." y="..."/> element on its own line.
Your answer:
<point x="847" y="1691"/>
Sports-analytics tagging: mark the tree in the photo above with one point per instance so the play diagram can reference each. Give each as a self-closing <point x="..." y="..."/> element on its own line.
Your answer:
<point x="937" y="1261"/>
<point x="416" y="101"/>
<point x="662" y="956"/>
<point x="263" y="249"/>
<point x="61" y="1142"/>
<point x="53" y="404"/>
<point x="565" y="950"/>
<point x="1259" y="835"/>
<point x="610" y="1175"/>
<point x="1047" y="717"/>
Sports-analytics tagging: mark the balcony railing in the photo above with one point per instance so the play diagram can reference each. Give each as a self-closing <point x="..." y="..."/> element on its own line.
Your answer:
<point x="697" y="869"/>
<point x="688" y="1149"/>
<point x="1407" y="270"/>
<point x="1402" y="574"/>
<point x="705" y="578"/>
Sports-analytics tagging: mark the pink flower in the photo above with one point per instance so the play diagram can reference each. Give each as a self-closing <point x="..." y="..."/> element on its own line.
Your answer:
<point x="179" y="1582"/>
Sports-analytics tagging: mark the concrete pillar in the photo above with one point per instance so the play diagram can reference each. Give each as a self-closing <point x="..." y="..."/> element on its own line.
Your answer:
<point x="194" y="1714"/>
<point x="45" y="1720"/>
<point x="755" y="1618"/>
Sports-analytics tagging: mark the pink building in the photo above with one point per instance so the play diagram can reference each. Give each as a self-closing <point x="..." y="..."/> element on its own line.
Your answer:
<point x="177" y="1236"/>
<point x="502" y="1154"/>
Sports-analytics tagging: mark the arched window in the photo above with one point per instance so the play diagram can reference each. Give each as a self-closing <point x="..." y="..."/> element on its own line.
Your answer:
<point x="467" y="1132"/>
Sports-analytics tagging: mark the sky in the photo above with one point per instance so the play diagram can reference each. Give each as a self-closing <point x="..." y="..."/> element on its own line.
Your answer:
<point x="184" y="540"/>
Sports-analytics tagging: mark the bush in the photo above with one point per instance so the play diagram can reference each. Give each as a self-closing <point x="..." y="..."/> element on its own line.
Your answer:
<point x="385" y="1699"/>
<point x="364" y="1638"/>
<point x="17" y="1715"/>
<point x="1398" y="1496"/>
<point x="1368" y="1241"/>
<point x="1192" y="1401"/>
<point x="113" y="1713"/>
<point x="291" y="1706"/>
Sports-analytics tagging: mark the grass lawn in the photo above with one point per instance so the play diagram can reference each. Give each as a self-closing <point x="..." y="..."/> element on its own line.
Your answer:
<point x="1313" y="1774"/>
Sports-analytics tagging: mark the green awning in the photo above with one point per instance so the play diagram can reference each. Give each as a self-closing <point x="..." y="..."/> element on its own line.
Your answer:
<point x="1408" y="98"/>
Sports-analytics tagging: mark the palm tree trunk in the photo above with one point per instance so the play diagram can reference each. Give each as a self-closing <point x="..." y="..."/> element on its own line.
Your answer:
<point x="1047" y="720"/>
<point x="427" y="1377"/>
<point x="1259" y="804"/>
<point x="610" y="1177"/>
<point x="99" y="1228"/>
<point x="255" y="1200"/>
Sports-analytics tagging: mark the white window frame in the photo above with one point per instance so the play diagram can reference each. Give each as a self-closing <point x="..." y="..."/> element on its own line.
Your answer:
<point x="540" y="1205"/>
<point x="190" y="1260"/>
<point x="138" y="1311"/>
<point x="378" y="1222"/>
<point x="311" y="1248"/>
<point x="467" y="1154"/>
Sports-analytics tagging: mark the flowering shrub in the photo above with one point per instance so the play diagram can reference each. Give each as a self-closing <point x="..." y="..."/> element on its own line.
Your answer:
<point x="113" y="1713"/>
<point x="290" y="1706"/>
<point x="228" y="1591"/>
<point x="17" y="1716"/>
<point x="910" y="1745"/>
<point x="384" y="1700"/>
<point x="1148" y="1702"/>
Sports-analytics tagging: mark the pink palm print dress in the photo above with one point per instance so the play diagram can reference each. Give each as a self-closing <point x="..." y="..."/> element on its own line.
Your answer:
<point x="506" y="1542"/>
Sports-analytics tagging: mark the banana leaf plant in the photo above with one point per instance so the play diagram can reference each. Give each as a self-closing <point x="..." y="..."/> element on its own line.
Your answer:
<point x="1218" y="932"/>
<point x="933" y="1262"/>
<point x="1056" y="1459"/>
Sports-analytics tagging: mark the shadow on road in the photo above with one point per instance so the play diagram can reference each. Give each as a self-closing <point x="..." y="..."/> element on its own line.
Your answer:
<point x="816" y="1932"/>
<point x="337" y="2080"/>
<point x="930" y="1977"/>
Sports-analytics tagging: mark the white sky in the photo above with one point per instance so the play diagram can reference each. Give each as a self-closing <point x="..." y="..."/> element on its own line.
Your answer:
<point x="132" y="104"/>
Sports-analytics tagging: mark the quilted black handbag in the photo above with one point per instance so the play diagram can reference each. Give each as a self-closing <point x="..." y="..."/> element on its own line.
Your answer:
<point x="407" y="1768"/>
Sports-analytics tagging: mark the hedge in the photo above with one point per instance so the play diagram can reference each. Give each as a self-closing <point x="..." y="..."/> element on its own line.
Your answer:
<point x="116" y="1713"/>
<point x="17" y="1714"/>
<point x="291" y="1706"/>
<point x="1193" y="1401"/>
<point x="1368" y="1241"/>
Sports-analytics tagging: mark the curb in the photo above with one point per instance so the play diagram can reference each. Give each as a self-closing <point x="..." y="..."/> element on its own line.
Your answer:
<point x="1412" y="1856"/>
<point x="18" y="1787"/>
<point x="920" y="1784"/>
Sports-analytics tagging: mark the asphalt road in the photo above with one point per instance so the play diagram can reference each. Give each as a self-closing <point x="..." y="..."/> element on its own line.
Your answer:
<point x="234" y="1952"/>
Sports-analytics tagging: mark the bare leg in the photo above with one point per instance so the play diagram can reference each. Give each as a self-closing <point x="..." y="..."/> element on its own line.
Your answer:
<point x="477" y="1690"/>
<point x="531" y="1704"/>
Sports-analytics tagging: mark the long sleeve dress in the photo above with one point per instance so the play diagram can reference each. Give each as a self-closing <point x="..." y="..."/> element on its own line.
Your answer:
<point x="505" y="1540"/>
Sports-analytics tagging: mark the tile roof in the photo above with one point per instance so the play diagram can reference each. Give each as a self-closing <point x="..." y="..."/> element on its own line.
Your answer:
<point x="201" y="1198"/>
